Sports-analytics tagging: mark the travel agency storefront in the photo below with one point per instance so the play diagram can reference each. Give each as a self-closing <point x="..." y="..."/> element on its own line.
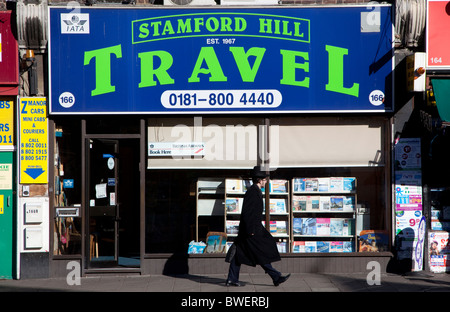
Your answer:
<point x="157" y="115"/>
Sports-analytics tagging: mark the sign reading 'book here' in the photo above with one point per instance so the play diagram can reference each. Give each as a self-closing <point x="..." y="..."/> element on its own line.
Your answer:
<point x="210" y="60"/>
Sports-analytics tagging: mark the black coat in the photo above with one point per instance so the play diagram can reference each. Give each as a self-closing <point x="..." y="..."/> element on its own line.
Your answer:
<point x="261" y="247"/>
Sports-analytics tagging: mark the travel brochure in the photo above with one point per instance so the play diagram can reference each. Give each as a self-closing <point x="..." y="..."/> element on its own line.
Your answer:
<point x="322" y="246"/>
<point x="373" y="241"/>
<point x="317" y="195"/>
<point x="330" y="185"/>
<point x="241" y="186"/>
<point x="323" y="226"/>
<point x="234" y="205"/>
<point x="323" y="203"/>
<point x="276" y="227"/>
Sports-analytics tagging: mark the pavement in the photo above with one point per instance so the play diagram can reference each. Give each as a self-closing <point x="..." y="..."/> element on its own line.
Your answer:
<point x="253" y="283"/>
<point x="208" y="292"/>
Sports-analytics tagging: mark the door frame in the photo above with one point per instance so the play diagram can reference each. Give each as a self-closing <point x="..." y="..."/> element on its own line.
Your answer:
<point x="84" y="193"/>
<point x="106" y="209"/>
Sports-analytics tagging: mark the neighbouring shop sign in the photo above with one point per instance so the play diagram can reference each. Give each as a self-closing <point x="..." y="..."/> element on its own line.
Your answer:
<point x="437" y="33"/>
<point x="409" y="219"/>
<point x="6" y="124"/>
<point x="9" y="56"/>
<point x="221" y="60"/>
<point x="33" y="157"/>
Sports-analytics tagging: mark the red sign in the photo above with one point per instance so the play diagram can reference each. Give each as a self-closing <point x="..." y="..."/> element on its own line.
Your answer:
<point x="9" y="56"/>
<point x="438" y="32"/>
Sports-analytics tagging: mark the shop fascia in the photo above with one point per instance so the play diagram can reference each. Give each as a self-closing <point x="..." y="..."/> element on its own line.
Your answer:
<point x="151" y="74"/>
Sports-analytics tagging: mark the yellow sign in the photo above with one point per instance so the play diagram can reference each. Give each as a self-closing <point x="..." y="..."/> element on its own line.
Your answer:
<point x="2" y="210"/>
<point x="33" y="141"/>
<point x="6" y="123"/>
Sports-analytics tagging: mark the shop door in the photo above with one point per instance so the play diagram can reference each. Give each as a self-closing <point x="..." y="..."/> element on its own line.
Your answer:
<point x="112" y="209"/>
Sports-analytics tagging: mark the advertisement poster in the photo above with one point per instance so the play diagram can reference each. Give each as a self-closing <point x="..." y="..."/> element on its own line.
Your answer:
<point x="408" y="154"/>
<point x="409" y="219"/>
<point x="439" y="251"/>
<point x="33" y="140"/>
<point x="6" y="124"/>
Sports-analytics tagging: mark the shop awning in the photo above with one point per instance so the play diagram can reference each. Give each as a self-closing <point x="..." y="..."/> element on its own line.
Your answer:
<point x="441" y="89"/>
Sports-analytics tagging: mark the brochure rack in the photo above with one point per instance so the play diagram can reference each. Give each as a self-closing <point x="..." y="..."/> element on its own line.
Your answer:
<point x="279" y="209"/>
<point x="306" y="214"/>
<point x="324" y="214"/>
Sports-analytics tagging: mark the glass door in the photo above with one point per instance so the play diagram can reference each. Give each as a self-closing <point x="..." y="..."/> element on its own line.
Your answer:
<point x="103" y="209"/>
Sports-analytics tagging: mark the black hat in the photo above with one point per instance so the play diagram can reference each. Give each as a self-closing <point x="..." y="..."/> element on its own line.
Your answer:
<point x="258" y="173"/>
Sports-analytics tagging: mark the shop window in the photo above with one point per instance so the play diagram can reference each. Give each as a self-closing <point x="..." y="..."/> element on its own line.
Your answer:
<point x="326" y="142"/>
<point x="67" y="188"/>
<point x="314" y="147"/>
<point x="171" y="209"/>
<point x="221" y="142"/>
<point x="173" y="205"/>
<point x="226" y="146"/>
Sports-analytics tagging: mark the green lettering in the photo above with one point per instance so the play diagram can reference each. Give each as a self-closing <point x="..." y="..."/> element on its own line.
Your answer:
<point x="277" y="27"/>
<point x="241" y="24"/>
<point x="168" y="29"/>
<point x="297" y="30"/>
<point x="285" y="29"/>
<point x="155" y="26"/>
<point x="148" y="71"/>
<point x="336" y="72"/>
<point x="226" y="23"/>
<point x="212" y="24"/>
<point x="144" y="32"/>
<point x="248" y="73"/>
<point x="103" y="68"/>
<point x="208" y="55"/>
<point x="290" y="65"/>
<point x="197" y="23"/>
<point x="265" y="25"/>
<point x="184" y="26"/>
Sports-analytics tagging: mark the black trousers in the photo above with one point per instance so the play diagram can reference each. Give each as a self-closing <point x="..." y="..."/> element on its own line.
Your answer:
<point x="233" y="271"/>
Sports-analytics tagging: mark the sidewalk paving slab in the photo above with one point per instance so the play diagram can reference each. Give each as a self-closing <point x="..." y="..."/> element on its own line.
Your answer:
<point x="253" y="283"/>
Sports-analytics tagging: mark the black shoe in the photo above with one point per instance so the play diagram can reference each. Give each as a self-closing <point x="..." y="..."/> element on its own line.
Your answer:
<point x="230" y="283"/>
<point x="281" y="279"/>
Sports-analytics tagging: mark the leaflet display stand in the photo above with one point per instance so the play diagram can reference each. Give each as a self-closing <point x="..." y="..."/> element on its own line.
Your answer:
<point x="323" y="214"/>
<point x="279" y="209"/>
<point x="210" y="213"/>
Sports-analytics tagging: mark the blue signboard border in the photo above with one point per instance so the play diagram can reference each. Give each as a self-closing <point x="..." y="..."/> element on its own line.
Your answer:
<point x="240" y="11"/>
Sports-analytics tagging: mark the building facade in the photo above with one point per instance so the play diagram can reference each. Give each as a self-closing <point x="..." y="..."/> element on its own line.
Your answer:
<point x="137" y="137"/>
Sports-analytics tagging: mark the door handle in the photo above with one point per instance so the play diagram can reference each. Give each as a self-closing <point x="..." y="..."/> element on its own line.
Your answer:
<point x="8" y="201"/>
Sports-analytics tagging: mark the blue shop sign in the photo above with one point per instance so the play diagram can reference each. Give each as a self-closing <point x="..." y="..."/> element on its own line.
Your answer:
<point x="221" y="60"/>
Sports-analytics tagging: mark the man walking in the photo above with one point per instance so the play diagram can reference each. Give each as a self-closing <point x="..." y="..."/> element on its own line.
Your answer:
<point x="254" y="244"/>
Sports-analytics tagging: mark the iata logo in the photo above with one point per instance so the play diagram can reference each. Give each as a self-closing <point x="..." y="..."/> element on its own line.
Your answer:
<point x="75" y="23"/>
